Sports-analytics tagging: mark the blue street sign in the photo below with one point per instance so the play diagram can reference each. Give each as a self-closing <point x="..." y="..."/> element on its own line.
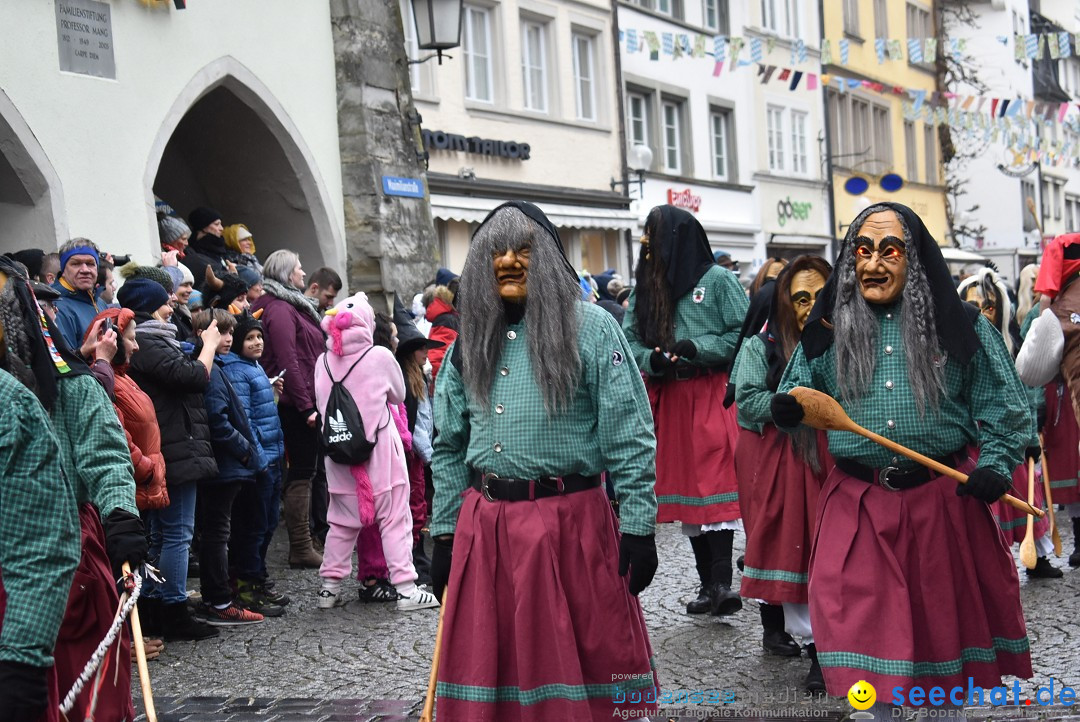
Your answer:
<point x="410" y="187"/>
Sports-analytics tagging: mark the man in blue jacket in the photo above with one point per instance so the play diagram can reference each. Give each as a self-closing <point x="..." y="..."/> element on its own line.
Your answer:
<point x="76" y="307"/>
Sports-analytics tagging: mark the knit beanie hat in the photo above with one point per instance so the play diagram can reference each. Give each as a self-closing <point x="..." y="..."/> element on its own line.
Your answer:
<point x="234" y="234"/>
<point x="175" y="275"/>
<point x="202" y="216"/>
<point x="170" y="228"/>
<point x="142" y="295"/>
<point x="245" y="324"/>
<point x="248" y="275"/>
<point x="231" y="287"/>
<point x="153" y="273"/>
<point x="32" y="258"/>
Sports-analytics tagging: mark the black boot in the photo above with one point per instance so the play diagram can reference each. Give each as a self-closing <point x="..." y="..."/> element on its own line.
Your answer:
<point x="149" y="615"/>
<point x="720" y="546"/>
<point x="1044" y="570"/>
<point x="1074" y="558"/>
<point x="815" y="680"/>
<point x="178" y="625"/>
<point x="703" y="561"/>
<point x="775" y="640"/>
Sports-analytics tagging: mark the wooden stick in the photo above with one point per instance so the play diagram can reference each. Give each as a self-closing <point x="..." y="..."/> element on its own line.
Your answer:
<point x="140" y="658"/>
<point x="1055" y="535"/>
<point x="1034" y="215"/>
<point x="1028" y="556"/>
<point x="824" y="412"/>
<point x="429" y="700"/>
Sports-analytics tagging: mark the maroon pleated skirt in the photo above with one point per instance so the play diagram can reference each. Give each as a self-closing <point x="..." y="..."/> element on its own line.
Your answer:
<point x="1013" y="522"/>
<point x="1060" y="439"/>
<point x="538" y="623"/>
<point x="915" y="587"/>
<point x="695" y="450"/>
<point x="778" y="495"/>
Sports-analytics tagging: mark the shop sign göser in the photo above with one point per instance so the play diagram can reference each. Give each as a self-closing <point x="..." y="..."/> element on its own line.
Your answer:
<point x="786" y="210"/>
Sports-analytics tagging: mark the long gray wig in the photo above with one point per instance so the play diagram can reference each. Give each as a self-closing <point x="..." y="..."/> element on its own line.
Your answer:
<point x="856" y="327"/>
<point x="552" y="310"/>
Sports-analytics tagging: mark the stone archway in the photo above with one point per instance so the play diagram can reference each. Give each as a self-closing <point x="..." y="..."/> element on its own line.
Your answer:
<point x="227" y="143"/>
<point x="31" y="198"/>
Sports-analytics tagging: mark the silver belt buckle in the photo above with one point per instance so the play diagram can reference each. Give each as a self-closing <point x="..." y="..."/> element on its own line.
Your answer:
<point x="883" y="477"/>
<point x="485" y="488"/>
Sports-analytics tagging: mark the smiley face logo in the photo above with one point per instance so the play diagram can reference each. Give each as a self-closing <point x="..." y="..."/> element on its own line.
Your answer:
<point x="862" y="695"/>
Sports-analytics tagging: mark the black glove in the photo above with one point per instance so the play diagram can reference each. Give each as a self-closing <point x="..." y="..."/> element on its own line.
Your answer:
<point x="441" y="557"/>
<point x="684" y="349"/>
<point x="786" y="410"/>
<point x="24" y="691"/>
<point x="637" y="555"/>
<point x="985" y="485"/>
<point x="660" y="362"/>
<point x="125" y="540"/>
<point x="1034" y="453"/>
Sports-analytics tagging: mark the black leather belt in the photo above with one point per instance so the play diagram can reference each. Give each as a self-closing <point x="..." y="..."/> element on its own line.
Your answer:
<point x="892" y="478"/>
<point x="685" y="371"/>
<point x="497" y="488"/>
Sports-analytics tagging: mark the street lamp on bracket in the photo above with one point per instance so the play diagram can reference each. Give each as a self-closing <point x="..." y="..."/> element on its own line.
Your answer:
<point x="638" y="160"/>
<point x="438" y="26"/>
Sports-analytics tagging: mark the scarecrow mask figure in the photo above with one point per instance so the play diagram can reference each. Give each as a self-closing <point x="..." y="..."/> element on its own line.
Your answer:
<point x="881" y="258"/>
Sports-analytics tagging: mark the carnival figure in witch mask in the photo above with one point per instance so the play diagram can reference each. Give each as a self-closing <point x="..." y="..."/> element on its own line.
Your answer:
<point x="891" y="340"/>
<point x="990" y="295"/>
<point x="682" y="324"/>
<point x="535" y="399"/>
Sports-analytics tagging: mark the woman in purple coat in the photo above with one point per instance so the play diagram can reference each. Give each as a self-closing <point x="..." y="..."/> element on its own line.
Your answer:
<point x="293" y="343"/>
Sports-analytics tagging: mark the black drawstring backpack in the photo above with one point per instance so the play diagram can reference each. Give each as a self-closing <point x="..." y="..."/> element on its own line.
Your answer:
<point x="343" y="438"/>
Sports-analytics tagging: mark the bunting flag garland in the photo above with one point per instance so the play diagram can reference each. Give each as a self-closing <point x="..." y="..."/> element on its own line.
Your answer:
<point x="879" y="48"/>
<point x="914" y="48"/>
<point x="757" y="53"/>
<point x="844" y="52"/>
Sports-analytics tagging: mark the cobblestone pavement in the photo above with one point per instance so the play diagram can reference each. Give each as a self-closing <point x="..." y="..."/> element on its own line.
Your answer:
<point x="369" y="662"/>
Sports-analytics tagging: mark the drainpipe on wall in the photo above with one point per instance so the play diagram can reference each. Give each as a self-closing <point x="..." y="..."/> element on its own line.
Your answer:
<point x="833" y="230"/>
<point x="628" y="236"/>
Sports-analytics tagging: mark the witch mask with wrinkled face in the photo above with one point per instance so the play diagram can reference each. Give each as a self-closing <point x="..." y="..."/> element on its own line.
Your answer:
<point x="805" y="287"/>
<point x="881" y="258"/>
<point x="511" y="273"/>
<point x="987" y="305"/>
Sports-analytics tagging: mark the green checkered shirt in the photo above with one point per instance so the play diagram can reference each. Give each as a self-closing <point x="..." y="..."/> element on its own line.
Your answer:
<point x="710" y="314"/>
<point x="39" y="528"/>
<point x="93" y="446"/>
<point x="984" y="402"/>
<point x="607" y="427"/>
<point x="752" y="395"/>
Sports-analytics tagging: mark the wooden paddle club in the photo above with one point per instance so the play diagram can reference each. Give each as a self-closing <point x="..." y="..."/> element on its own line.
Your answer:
<point x="140" y="658"/>
<point x="1055" y="535"/>
<point x="1027" y="547"/>
<point x="823" y="412"/>
<point x="429" y="700"/>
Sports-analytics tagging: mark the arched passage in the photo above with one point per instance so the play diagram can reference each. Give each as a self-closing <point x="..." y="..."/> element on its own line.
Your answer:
<point x="228" y="144"/>
<point x="31" y="198"/>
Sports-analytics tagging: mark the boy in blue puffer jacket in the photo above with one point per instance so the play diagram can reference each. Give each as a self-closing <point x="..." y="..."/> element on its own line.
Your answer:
<point x="258" y="506"/>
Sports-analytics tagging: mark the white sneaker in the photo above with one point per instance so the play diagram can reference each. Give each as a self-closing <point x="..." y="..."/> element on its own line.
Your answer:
<point x="329" y="599"/>
<point x="420" y="599"/>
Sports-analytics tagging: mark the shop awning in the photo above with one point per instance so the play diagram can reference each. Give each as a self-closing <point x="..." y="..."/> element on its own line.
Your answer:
<point x="469" y="209"/>
<point x="956" y="255"/>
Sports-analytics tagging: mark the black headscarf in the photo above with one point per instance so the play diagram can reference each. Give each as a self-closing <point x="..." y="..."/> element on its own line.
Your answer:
<point x="50" y="358"/>
<point x="684" y="248"/>
<point x="955" y="331"/>
<point x="537" y="215"/>
<point x="762" y="305"/>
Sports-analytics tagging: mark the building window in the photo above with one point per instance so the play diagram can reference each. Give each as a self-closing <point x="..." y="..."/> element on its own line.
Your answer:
<point x="781" y="16"/>
<point x="720" y="121"/>
<point x="672" y="112"/>
<point x="1027" y="191"/>
<point x="920" y="25"/>
<point x="667" y="7"/>
<point x="534" y="65"/>
<point x="476" y="45"/>
<point x="798" y="142"/>
<point x="711" y="12"/>
<point x="861" y="133"/>
<point x="881" y="19"/>
<point x="637" y="110"/>
<point x="774" y="118"/>
<point x="1072" y="213"/>
<point x="1058" y="187"/>
<point x="931" y="142"/>
<point x="851" y="17"/>
<point x="1045" y="198"/>
<point x="584" y="77"/>
<point x="911" y="152"/>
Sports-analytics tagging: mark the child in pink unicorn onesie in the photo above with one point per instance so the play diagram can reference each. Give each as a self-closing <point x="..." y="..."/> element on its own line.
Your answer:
<point x="377" y="490"/>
